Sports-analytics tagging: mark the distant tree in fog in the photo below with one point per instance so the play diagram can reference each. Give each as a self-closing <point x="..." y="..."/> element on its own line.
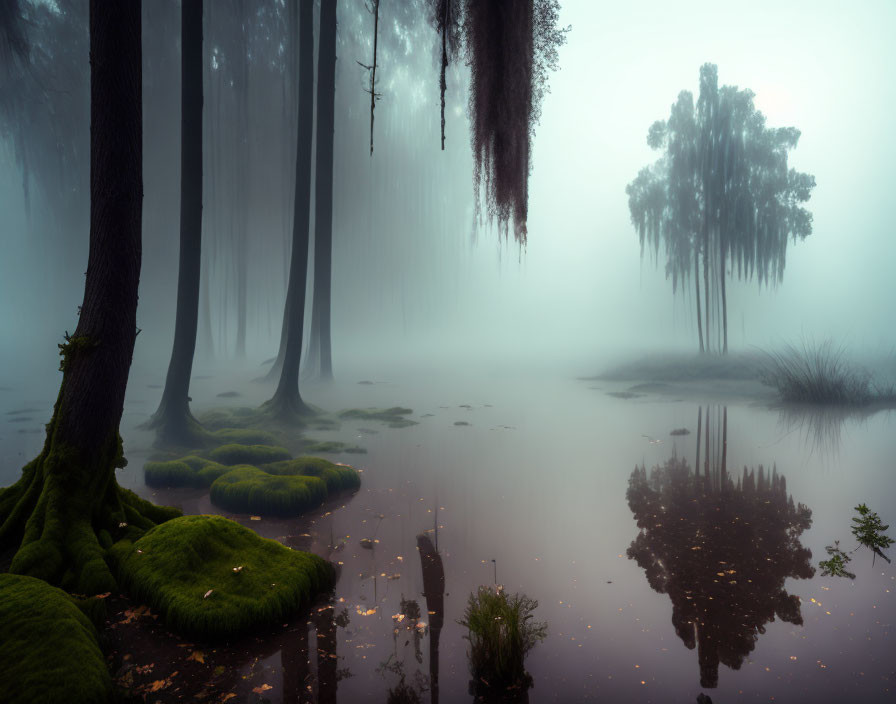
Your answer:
<point x="320" y="355"/>
<point x="173" y="420"/>
<point x="721" y="192"/>
<point x="287" y="401"/>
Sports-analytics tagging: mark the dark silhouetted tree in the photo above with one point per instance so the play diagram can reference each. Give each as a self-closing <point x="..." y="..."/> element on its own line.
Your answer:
<point x="320" y="356"/>
<point x="173" y="421"/>
<point x="447" y="19"/>
<point x="287" y="401"/>
<point x="67" y="508"/>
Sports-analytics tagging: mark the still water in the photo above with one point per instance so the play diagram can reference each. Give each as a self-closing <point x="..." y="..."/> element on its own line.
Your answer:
<point x="658" y="583"/>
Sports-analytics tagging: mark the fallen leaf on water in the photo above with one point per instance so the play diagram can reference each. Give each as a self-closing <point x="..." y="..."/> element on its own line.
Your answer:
<point x="261" y="688"/>
<point x="251" y="518"/>
<point x="207" y="594"/>
<point x="228" y="697"/>
<point x="197" y="655"/>
<point x="132" y="615"/>
<point x="159" y="684"/>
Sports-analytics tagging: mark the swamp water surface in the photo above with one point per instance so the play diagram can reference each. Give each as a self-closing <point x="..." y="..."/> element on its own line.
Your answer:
<point x="537" y="490"/>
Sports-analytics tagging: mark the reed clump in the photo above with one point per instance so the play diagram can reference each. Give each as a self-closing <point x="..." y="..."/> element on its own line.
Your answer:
<point x="501" y="630"/>
<point x="821" y="374"/>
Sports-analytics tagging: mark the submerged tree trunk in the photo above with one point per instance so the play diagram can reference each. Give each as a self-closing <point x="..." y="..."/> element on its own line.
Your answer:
<point x="173" y="421"/>
<point x="320" y="352"/>
<point x="287" y="400"/>
<point x="67" y="507"/>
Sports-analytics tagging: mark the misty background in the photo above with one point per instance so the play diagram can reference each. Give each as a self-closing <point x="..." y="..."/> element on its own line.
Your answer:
<point x="417" y="281"/>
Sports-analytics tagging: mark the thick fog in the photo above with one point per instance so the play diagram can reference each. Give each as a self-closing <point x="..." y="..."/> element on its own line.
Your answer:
<point x="417" y="277"/>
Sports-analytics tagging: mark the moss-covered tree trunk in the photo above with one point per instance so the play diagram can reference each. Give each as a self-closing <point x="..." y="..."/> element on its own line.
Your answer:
<point x="173" y="421"/>
<point x="67" y="507"/>
<point x="287" y="401"/>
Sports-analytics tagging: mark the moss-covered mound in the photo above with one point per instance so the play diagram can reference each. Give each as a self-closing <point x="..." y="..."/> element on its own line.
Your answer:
<point x="338" y="477"/>
<point x="331" y="446"/>
<point x="245" y="436"/>
<point x="209" y="577"/>
<point x="248" y="454"/>
<point x="248" y="489"/>
<point x="48" y="648"/>
<point x="187" y="471"/>
<point x="394" y="417"/>
<point x="269" y="482"/>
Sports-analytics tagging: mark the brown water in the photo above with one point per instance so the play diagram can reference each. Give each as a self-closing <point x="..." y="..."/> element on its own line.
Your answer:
<point x="534" y="492"/>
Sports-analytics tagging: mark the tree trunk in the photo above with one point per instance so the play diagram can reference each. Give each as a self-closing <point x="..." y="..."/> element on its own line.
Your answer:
<point x="243" y="167"/>
<point x="173" y="421"/>
<point x="67" y="507"/>
<point x="706" y="270"/>
<point x="699" y="429"/>
<point x="287" y="400"/>
<point x="323" y="201"/>
<point x="724" y="297"/>
<point x="697" y="284"/>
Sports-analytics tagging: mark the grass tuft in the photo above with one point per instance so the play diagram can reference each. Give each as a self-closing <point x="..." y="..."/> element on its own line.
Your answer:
<point x="501" y="631"/>
<point x="820" y="374"/>
<point x="185" y="570"/>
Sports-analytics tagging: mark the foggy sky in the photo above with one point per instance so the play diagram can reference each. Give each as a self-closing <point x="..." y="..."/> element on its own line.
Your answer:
<point x="428" y="289"/>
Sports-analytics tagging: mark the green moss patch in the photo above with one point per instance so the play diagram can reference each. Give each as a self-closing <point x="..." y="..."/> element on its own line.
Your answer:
<point x="188" y="471"/>
<point x="247" y="489"/>
<point x="209" y="577"/>
<point x="245" y="436"/>
<point x="332" y="446"/>
<point x="248" y="454"/>
<point x="48" y="648"/>
<point x="256" y="478"/>
<point x="337" y="477"/>
<point x="394" y="417"/>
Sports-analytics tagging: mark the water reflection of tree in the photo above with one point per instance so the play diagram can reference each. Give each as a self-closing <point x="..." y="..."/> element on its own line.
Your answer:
<point x="298" y="679"/>
<point x="721" y="549"/>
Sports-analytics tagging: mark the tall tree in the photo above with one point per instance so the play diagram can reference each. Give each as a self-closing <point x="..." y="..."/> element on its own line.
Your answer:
<point x="67" y="507"/>
<point x="320" y="357"/>
<point x="173" y="420"/>
<point x="287" y="400"/>
<point x="241" y="249"/>
<point x="721" y="190"/>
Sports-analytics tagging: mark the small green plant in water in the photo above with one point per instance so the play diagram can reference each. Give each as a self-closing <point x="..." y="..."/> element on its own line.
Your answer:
<point x="501" y="631"/>
<point x="869" y="530"/>
<point x="836" y="565"/>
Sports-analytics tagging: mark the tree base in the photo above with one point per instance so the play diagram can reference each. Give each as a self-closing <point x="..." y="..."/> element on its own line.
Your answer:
<point x="65" y="512"/>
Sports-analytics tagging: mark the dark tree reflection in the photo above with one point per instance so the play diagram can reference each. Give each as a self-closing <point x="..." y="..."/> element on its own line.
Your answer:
<point x="721" y="549"/>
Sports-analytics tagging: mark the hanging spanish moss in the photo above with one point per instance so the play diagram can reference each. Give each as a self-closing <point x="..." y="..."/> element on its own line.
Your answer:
<point x="510" y="46"/>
